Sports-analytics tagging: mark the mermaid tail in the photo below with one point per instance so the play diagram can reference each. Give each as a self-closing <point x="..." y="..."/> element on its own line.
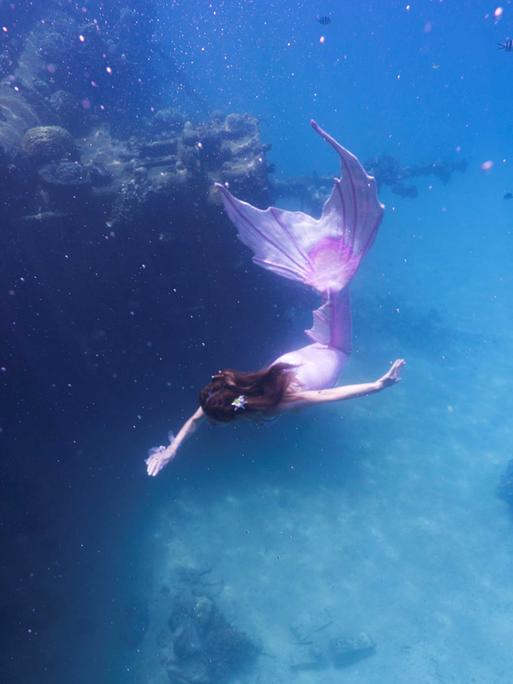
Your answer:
<point x="332" y="322"/>
<point x="323" y="253"/>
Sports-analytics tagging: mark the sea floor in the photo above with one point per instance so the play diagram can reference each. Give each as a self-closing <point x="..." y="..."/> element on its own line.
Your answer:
<point x="377" y="516"/>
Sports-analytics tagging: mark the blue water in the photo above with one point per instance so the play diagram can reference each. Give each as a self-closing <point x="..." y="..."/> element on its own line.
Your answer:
<point x="379" y="515"/>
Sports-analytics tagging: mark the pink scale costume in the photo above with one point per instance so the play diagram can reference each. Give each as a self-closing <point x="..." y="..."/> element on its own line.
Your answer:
<point x="322" y="253"/>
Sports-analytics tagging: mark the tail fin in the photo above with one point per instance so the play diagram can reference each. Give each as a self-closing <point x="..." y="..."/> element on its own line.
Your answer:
<point x="323" y="253"/>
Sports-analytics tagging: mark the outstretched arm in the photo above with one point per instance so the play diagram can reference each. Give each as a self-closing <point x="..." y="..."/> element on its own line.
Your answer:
<point x="161" y="456"/>
<point x="312" y="397"/>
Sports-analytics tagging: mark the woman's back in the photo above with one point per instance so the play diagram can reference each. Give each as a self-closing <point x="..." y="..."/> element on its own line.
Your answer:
<point x="317" y="366"/>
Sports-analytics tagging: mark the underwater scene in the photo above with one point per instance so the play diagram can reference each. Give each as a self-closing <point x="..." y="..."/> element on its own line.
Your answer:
<point x="176" y="505"/>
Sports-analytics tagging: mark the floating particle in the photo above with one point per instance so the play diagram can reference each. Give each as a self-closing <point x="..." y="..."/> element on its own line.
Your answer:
<point x="498" y="12"/>
<point x="408" y="8"/>
<point x="5" y="29"/>
<point x="109" y="70"/>
<point x="81" y="38"/>
<point x="487" y="165"/>
<point x="322" y="39"/>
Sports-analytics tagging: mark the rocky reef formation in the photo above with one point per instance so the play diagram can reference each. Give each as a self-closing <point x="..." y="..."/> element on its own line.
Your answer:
<point x="205" y="648"/>
<point x="84" y="131"/>
<point x="311" y="191"/>
<point x="198" y="644"/>
<point x="175" y="165"/>
<point x="47" y="144"/>
<point x="114" y="182"/>
<point x="388" y="171"/>
<point x="321" y="647"/>
<point x="76" y="87"/>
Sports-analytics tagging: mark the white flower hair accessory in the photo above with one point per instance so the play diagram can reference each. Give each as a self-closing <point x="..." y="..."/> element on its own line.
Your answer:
<point x="240" y="403"/>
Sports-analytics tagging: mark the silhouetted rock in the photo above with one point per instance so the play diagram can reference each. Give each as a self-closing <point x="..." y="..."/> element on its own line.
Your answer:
<point x="239" y="125"/>
<point x="100" y="176"/>
<point x="388" y="171"/>
<point x="404" y="190"/>
<point x="167" y="120"/>
<point x="67" y="182"/>
<point x="207" y="649"/>
<point x="43" y="144"/>
<point x="346" y="651"/>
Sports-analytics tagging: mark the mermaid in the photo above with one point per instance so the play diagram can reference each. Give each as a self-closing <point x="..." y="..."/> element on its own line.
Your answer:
<point x="323" y="254"/>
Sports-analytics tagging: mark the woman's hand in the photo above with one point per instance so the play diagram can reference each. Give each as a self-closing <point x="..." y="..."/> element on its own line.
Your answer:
<point x="159" y="459"/>
<point x="392" y="376"/>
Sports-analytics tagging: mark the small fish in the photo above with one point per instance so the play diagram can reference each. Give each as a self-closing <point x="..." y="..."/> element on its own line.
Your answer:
<point x="324" y="20"/>
<point x="507" y="45"/>
<point x="508" y="195"/>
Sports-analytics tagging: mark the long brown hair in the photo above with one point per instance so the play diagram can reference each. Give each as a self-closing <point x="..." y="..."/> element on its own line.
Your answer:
<point x="257" y="392"/>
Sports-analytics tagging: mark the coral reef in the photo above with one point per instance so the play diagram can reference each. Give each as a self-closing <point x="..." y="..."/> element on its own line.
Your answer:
<point x="47" y="144"/>
<point x="74" y="88"/>
<point x="205" y="647"/>
<point x="162" y="171"/>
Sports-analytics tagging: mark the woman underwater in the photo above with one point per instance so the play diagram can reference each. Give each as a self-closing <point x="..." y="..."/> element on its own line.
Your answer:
<point x="323" y="254"/>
